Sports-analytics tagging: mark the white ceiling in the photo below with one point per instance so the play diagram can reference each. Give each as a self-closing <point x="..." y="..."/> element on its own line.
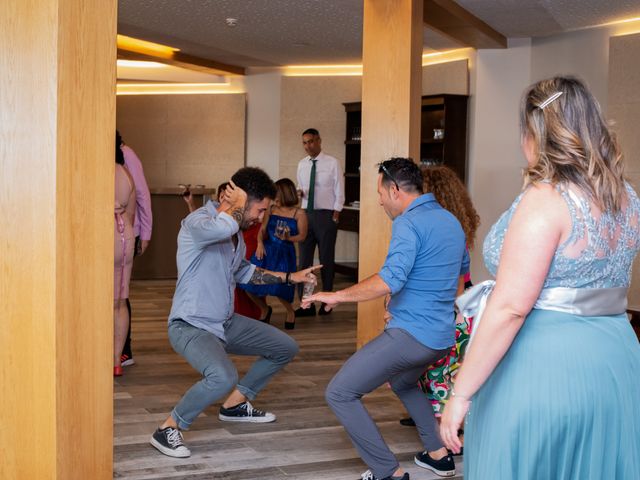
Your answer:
<point x="295" y="32"/>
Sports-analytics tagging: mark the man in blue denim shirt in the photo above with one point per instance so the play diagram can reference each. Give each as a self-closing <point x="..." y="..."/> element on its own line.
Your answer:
<point x="424" y="263"/>
<point x="202" y="325"/>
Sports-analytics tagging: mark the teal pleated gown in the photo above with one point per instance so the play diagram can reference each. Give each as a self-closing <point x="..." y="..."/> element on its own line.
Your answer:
<point x="564" y="402"/>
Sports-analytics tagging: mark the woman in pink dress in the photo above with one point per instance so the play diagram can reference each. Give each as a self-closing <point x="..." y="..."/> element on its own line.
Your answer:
<point x="123" y="244"/>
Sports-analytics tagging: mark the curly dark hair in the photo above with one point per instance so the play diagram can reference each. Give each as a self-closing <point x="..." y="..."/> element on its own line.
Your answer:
<point x="452" y="195"/>
<point x="255" y="182"/>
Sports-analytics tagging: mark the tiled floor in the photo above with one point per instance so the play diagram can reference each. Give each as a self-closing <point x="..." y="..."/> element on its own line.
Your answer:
<point x="305" y="443"/>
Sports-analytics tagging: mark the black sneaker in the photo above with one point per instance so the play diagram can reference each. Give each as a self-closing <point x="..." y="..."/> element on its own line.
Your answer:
<point x="407" y="422"/>
<point x="370" y="476"/>
<point x="245" y="413"/>
<point x="169" y="441"/>
<point x="306" y="312"/>
<point x="445" y="467"/>
<point x="322" y="310"/>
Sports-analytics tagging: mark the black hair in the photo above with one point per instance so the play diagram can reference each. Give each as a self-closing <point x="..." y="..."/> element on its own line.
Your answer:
<point x="221" y="188"/>
<point x="311" y="131"/>
<point x="255" y="182"/>
<point x="403" y="172"/>
<point x="119" y="154"/>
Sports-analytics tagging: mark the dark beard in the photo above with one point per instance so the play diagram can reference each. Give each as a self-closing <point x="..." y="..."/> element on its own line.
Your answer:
<point x="245" y="225"/>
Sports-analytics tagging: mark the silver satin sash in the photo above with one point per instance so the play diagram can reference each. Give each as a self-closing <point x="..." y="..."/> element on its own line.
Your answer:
<point x="576" y="301"/>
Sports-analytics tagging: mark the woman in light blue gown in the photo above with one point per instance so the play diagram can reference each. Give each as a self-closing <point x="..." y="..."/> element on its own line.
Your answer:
<point x="551" y="382"/>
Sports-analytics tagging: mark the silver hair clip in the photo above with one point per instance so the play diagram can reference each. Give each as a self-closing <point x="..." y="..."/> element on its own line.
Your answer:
<point x="549" y="100"/>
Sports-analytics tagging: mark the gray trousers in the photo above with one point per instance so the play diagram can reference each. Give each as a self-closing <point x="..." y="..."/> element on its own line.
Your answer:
<point x="322" y="232"/>
<point x="395" y="357"/>
<point x="208" y="355"/>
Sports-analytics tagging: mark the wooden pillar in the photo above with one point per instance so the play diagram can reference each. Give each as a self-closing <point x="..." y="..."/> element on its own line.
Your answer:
<point x="391" y="89"/>
<point x="57" y="121"/>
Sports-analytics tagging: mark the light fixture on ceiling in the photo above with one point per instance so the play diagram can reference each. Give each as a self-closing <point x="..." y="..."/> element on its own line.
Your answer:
<point x="176" y="88"/>
<point x="356" y="70"/>
<point x="142" y="46"/>
<point x="627" y="26"/>
<point x="139" y="64"/>
<point x="300" y="44"/>
<point x="231" y="22"/>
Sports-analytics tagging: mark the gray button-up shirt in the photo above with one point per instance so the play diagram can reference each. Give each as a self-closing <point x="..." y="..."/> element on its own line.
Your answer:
<point x="208" y="268"/>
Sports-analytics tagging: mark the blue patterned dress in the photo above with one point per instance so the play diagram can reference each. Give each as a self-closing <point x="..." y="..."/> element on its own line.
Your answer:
<point x="564" y="403"/>
<point x="280" y="257"/>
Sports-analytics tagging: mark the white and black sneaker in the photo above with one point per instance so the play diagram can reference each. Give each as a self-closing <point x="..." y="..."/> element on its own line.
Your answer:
<point x="445" y="467"/>
<point x="169" y="441"/>
<point x="245" y="413"/>
<point x="368" y="475"/>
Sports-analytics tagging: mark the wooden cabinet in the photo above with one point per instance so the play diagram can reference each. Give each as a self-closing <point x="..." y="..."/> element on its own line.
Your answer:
<point x="443" y="140"/>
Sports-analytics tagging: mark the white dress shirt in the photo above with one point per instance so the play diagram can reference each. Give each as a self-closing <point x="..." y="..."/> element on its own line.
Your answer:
<point x="329" y="186"/>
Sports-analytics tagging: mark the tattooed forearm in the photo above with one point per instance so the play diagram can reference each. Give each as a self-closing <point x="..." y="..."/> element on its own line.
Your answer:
<point x="237" y="214"/>
<point x="263" y="277"/>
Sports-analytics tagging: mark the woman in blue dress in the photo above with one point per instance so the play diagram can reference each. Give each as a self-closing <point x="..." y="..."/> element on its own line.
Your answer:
<point x="550" y="386"/>
<point x="283" y="225"/>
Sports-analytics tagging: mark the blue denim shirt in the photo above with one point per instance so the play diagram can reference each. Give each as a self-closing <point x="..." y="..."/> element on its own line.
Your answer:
<point x="208" y="268"/>
<point x="426" y="257"/>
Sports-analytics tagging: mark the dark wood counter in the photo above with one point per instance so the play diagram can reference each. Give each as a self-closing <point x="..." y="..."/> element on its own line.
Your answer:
<point x="169" y="208"/>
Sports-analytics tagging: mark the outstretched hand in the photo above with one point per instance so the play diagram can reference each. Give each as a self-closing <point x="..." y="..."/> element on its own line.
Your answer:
<point x="305" y="275"/>
<point x="330" y="300"/>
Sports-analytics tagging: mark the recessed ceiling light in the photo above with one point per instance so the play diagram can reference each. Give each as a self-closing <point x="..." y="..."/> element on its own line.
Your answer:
<point x="300" y="44"/>
<point x="231" y="22"/>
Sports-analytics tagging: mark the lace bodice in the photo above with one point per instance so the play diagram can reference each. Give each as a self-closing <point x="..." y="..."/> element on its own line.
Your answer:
<point x="599" y="252"/>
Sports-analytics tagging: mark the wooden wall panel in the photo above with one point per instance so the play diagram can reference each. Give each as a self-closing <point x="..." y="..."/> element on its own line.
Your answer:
<point x="57" y="118"/>
<point x="391" y="87"/>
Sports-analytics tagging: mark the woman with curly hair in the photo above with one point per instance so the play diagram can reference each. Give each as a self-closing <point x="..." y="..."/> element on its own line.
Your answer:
<point x="452" y="195"/>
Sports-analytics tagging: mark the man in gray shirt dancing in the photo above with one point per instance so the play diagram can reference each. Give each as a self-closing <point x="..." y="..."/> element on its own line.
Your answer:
<point x="203" y="327"/>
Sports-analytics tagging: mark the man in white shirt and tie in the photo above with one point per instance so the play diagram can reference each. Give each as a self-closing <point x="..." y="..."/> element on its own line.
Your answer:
<point x="320" y="179"/>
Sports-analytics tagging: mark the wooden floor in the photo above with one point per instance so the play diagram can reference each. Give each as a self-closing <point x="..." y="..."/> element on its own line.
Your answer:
<point x="306" y="442"/>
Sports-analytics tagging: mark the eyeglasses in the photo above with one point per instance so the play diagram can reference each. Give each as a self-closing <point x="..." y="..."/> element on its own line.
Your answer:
<point x="386" y="172"/>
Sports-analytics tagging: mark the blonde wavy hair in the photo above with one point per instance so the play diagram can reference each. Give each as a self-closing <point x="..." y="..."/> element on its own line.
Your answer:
<point x="572" y="142"/>
<point x="452" y="195"/>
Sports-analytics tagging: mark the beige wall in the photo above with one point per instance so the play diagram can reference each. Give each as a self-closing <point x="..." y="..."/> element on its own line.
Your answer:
<point x="624" y="110"/>
<point x="317" y="102"/>
<point x="495" y="159"/>
<point x="196" y="139"/>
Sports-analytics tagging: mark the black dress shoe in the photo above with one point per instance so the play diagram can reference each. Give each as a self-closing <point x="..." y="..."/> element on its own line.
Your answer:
<point x="322" y="311"/>
<point x="407" y="422"/>
<point x="306" y="312"/>
<point x="267" y="318"/>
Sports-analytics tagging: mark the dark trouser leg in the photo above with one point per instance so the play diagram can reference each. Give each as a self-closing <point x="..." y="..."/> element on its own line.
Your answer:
<point x="127" y="344"/>
<point x="307" y="248"/>
<point x="327" y="231"/>
<point x="393" y="354"/>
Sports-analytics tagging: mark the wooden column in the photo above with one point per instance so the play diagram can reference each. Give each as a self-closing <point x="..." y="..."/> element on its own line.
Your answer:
<point x="57" y="121"/>
<point x="391" y="88"/>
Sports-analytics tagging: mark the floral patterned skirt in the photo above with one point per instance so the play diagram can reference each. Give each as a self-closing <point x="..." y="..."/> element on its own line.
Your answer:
<point x="437" y="380"/>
